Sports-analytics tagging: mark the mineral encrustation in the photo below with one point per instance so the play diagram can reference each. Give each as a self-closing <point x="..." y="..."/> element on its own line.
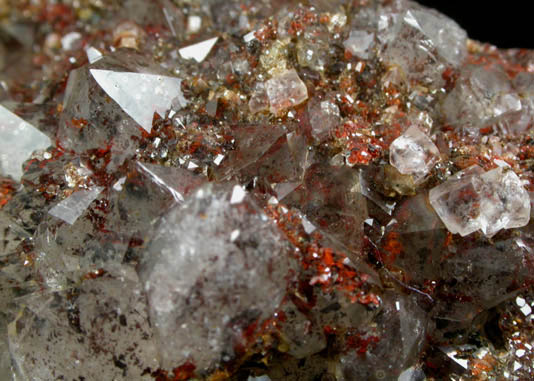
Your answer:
<point x="262" y="190"/>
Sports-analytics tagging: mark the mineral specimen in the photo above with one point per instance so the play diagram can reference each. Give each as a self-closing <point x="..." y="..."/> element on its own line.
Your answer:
<point x="306" y="190"/>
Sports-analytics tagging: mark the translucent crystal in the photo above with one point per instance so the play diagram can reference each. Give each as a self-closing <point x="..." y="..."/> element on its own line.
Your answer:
<point x="177" y="181"/>
<point x="324" y="116"/>
<point x="99" y="330"/>
<point x="213" y="268"/>
<point x="285" y="91"/>
<point x="360" y="43"/>
<point x="489" y="202"/>
<point x="90" y="121"/>
<point x="18" y="140"/>
<point x="258" y="100"/>
<point x="413" y="153"/>
<point x="140" y="95"/>
<point x="313" y="49"/>
<point x="73" y="206"/>
<point x="304" y="336"/>
<point x="11" y="234"/>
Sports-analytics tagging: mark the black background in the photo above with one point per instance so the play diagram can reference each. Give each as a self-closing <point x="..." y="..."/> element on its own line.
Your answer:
<point x="506" y="24"/>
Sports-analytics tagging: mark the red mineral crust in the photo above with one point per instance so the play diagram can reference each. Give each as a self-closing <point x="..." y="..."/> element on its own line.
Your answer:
<point x="262" y="190"/>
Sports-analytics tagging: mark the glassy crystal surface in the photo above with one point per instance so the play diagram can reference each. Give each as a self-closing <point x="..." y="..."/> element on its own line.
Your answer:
<point x="213" y="190"/>
<point x="488" y="201"/>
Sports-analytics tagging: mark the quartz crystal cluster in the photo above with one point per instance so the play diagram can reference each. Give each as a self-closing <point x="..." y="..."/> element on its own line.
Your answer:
<point x="262" y="190"/>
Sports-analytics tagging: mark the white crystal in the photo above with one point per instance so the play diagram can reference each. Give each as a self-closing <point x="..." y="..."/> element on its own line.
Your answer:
<point x="360" y="43"/>
<point x="140" y="95"/>
<point x="490" y="201"/>
<point x="18" y="140"/>
<point x="285" y="91"/>
<point x="198" y="51"/>
<point x="73" y="206"/>
<point x="413" y="153"/>
<point x="194" y="23"/>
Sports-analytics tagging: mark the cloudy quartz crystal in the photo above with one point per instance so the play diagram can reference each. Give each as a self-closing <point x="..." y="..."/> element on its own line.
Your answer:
<point x="290" y="190"/>
<point x="413" y="153"/>
<point x="216" y="266"/>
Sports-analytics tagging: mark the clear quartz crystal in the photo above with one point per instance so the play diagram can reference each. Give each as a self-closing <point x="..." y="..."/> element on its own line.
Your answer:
<point x="285" y="91"/>
<point x="481" y="96"/>
<point x="490" y="201"/>
<point x="413" y="153"/>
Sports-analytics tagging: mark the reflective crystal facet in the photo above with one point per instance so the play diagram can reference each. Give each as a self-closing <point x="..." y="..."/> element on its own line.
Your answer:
<point x="488" y="201"/>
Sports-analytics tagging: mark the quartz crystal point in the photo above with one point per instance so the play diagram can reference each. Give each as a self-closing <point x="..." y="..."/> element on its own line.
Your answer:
<point x="215" y="266"/>
<point x="489" y="201"/>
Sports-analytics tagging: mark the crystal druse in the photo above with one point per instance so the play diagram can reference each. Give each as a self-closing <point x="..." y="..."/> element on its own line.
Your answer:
<point x="262" y="190"/>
